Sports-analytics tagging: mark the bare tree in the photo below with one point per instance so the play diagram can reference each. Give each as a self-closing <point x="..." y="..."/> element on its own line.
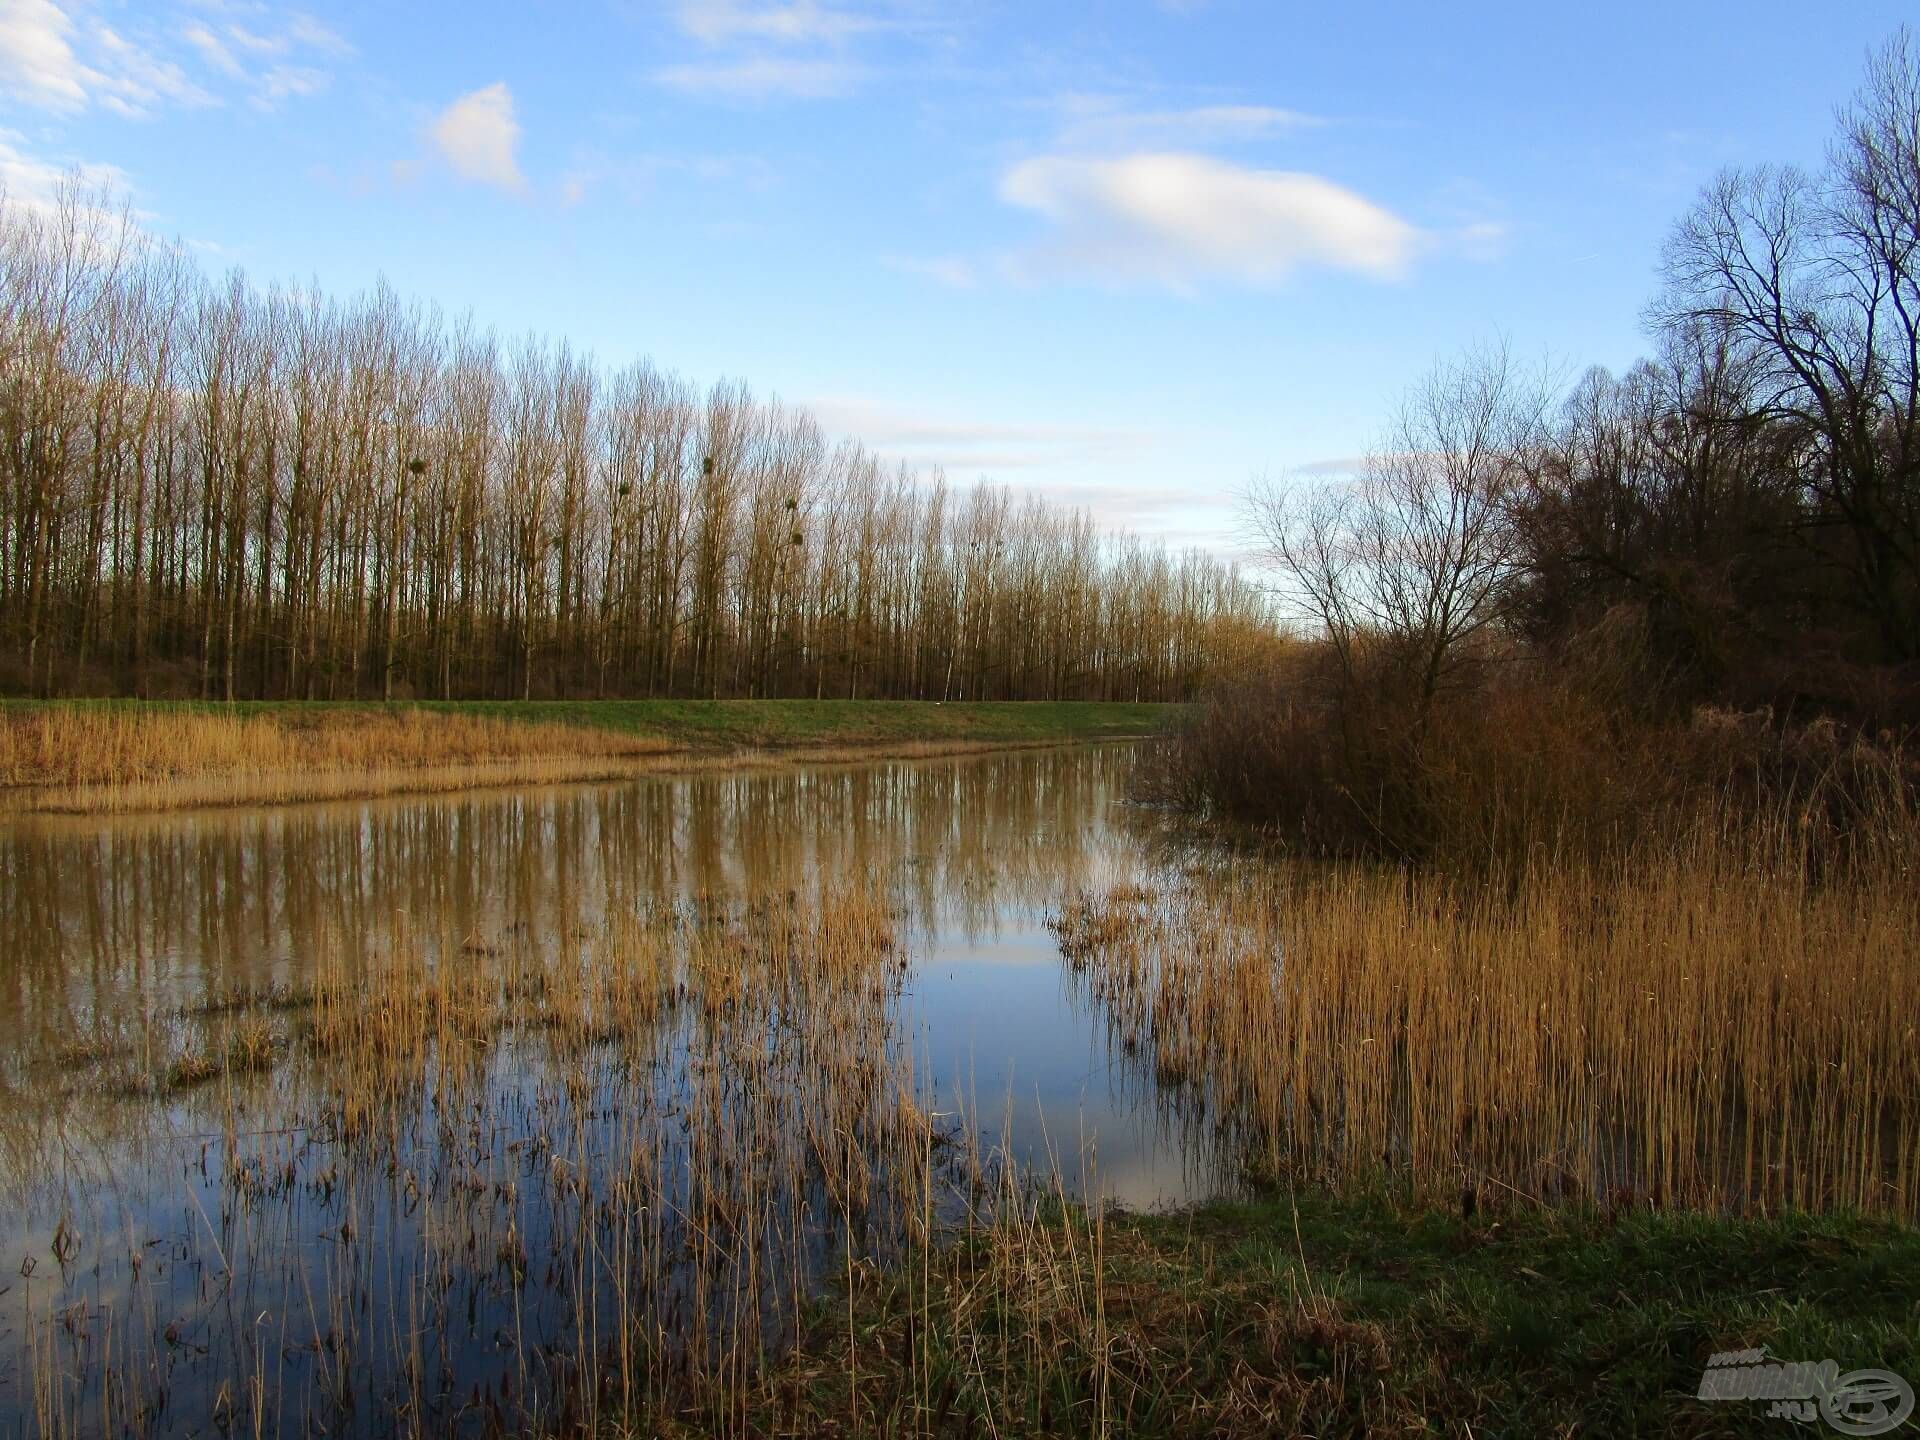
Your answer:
<point x="207" y="490"/>
<point x="1820" y="275"/>
<point x="1401" y="569"/>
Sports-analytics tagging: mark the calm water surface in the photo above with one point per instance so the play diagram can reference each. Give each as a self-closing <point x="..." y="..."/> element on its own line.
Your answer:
<point x="123" y="1228"/>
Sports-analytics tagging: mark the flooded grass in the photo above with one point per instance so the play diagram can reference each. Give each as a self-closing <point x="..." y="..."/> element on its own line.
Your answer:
<point x="1709" y="1028"/>
<point x="591" y="1179"/>
<point x="799" y="1104"/>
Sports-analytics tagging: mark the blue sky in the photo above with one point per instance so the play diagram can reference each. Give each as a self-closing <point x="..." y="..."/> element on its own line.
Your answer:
<point x="1129" y="254"/>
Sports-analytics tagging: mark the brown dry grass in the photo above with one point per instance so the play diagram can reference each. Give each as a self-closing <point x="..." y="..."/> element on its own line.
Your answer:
<point x="74" y="746"/>
<point x="78" y="761"/>
<point x="1703" y="1026"/>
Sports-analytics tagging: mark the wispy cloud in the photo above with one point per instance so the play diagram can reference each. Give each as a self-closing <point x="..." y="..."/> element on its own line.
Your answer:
<point x="33" y="181"/>
<point x="59" y="56"/>
<point x="213" y="50"/>
<point x="1332" y="467"/>
<point x="37" y="58"/>
<point x="270" y="63"/>
<point x="634" y="175"/>
<point x="972" y="447"/>
<point x="1183" y="220"/>
<point x="1100" y="122"/>
<point x="50" y="61"/>
<point x="800" y="22"/>
<point x="764" y="77"/>
<point x="776" y="49"/>
<point x="479" y="137"/>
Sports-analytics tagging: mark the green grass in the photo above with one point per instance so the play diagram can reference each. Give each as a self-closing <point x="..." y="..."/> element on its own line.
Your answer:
<point x="1531" y="1322"/>
<point x="730" y="724"/>
<point x="1311" y="1315"/>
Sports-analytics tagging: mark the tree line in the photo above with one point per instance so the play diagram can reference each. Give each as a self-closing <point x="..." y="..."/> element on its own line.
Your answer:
<point x="220" y="491"/>
<point x="1536" y="602"/>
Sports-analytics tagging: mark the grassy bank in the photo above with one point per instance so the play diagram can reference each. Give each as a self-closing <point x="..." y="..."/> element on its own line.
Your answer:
<point x="80" y="756"/>
<point x="1306" y="1315"/>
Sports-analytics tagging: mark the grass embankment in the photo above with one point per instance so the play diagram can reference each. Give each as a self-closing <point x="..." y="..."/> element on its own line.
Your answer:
<point x="1310" y="1315"/>
<point x="120" y="755"/>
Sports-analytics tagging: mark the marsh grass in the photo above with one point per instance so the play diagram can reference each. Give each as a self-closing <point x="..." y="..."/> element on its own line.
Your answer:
<point x="1725" y="1025"/>
<point x="82" y="759"/>
<point x="671" y="1168"/>
<point x="113" y="758"/>
<point x="554" y="1184"/>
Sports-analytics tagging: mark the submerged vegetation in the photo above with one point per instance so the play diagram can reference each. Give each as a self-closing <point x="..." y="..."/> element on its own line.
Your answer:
<point x="554" y="1186"/>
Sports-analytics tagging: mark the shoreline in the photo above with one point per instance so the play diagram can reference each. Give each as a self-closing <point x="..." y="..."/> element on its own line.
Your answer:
<point x="99" y="758"/>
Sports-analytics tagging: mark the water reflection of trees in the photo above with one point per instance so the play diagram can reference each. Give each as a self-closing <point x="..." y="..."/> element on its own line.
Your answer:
<point x="109" y="919"/>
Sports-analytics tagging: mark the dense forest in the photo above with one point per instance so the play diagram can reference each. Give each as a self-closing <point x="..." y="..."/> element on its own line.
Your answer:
<point x="218" y="491"/>
<point x="1546" y="609"/>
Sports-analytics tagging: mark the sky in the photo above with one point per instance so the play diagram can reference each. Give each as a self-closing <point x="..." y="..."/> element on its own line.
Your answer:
<point x="1129" y="254"/>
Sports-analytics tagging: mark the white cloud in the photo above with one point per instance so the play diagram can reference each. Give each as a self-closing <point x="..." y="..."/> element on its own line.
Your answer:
<point x="763" y="78"/>
<point x="781" y="49"/>
<point x="478" y="135"/>
<point x="1101" y="122"/>
<point x="1078" y="466"/>
<point x="1481" y="239"/>
<point x="1181" y="220"/>
<point x="54" y="56"/>
<point x="134" y="80"/>
<point x="1332" y="466"/>
<point x="269" y="63"/>
<point x="799" y="22"/>
<point x="213" y="50"/>
<point x="37" y="58"/>
<point x="49" y="62"/>
<point x="30" y="181"/>
<point x="278" y="82"/>
<point x="303" y="29"/>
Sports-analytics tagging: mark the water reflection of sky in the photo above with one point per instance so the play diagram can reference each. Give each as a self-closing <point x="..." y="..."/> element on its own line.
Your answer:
<point x="1007" y="1041"/>
<point x="107" y="920"/>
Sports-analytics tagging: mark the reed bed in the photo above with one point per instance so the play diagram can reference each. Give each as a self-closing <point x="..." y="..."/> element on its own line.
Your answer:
<point x="75" y="760"/>
<point x="1711" y="1027"/>
<point x="99" y="753"/>
<point x="665" y="1167"/>
<point x="487" y="1183"/>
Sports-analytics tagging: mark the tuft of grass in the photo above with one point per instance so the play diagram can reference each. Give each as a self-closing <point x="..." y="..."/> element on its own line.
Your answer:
<point x="1309" y="1314"/>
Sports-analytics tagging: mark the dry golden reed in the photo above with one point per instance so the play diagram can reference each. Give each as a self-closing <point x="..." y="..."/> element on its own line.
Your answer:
<point x="1707" y="1028"/>
<point x="72" y="760"/>
<point x="636" y="1152"/>
<point x="75" y="757"/>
